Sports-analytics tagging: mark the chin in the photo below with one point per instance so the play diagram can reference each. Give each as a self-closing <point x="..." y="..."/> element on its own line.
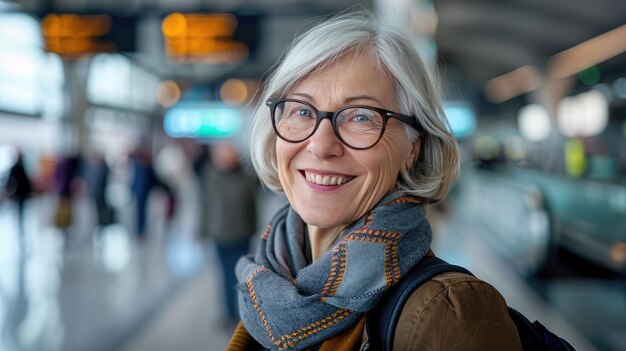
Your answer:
<point x="325" y="214"/>
<point x="319" y="219"/>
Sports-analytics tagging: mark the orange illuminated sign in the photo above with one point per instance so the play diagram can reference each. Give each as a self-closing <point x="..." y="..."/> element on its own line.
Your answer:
<point x="75" y="35"/>
<point x="202" y="38"/>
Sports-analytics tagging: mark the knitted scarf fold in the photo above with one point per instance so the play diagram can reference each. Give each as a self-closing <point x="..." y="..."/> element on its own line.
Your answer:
<point x="287" y="303"/>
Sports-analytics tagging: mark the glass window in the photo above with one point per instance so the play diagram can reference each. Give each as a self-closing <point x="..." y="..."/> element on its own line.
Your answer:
<point x="30" y="79"/>
<point x="114" y="81"/>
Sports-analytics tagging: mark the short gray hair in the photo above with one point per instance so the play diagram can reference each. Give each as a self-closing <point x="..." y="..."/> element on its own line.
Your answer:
<point x="417" y="94"/>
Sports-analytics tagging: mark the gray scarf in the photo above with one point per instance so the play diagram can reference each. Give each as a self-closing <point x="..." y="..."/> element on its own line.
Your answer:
<point x="287" y="303"/>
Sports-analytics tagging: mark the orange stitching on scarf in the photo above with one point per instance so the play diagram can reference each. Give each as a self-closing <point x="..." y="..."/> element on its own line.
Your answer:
<point x="266" y="232"/>
<point x="255" y="302"/>
<point x="375" y="235"/>
<point x="314" y="328"/>
<point x="339" y="259"/>
<point x="320" y="328"/>
<point x="395" y="263"/>
<point x="392" y="268"/>
<point x="338" y="265"/>
<point x="342" y="271"/>
<point x="284" y="342"/>
<point x="404" y="199"/>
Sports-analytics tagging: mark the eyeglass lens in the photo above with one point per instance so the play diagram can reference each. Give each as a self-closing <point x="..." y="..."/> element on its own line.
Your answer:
<point x="358" y="127"/>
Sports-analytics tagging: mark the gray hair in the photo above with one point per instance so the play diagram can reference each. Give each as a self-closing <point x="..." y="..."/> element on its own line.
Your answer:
<point x="417" y="94"/>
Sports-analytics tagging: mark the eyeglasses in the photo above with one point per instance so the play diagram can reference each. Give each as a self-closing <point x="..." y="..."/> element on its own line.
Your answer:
<point x="358" y="127"/>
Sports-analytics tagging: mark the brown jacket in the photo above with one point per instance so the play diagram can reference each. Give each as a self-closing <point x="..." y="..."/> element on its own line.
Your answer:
<point x="455" y="311"/>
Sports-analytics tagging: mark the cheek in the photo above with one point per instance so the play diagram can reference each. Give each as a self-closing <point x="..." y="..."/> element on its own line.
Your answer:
<point x="285" y="152"/>
<point x="382" y="175"/>
<point x="390" y="170"/>
<point x="391" y="159"/>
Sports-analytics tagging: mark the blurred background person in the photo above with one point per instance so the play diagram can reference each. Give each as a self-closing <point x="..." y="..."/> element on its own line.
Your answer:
<point x="65" y="186"/>
<point x="230" y="215"/>
<point x="18" y="188"/>
<point x="96" y="175"/>
<point x="174" y="165"/>
<point x="144" y="180"/>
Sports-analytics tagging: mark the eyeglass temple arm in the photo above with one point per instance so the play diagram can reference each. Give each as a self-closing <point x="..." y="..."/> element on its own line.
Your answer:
<point x="406" y="119"/>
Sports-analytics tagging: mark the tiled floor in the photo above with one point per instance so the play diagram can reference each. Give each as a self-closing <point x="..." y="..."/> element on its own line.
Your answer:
<point x="192" y="321"/>
<point x="89" y="292"/>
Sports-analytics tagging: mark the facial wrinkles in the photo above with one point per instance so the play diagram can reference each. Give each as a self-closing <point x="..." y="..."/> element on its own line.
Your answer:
<point x="329" y="90"/>
<point x="327" y="94"/>
<point x="285" y="174"/>
<point x="384" y="180"/>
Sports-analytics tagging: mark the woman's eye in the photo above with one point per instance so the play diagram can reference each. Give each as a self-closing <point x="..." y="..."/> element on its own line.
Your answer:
<point x="362" y="118"/>
<point x="300" y="112"/>
<point x="304" y="113"/>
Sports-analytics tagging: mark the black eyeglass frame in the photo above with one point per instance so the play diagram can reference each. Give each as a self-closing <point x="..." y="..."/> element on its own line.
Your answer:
<point x="332" y="116"/>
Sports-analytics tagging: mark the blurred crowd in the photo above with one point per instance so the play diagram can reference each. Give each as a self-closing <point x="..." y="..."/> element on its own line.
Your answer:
<point x="203" y="192"/>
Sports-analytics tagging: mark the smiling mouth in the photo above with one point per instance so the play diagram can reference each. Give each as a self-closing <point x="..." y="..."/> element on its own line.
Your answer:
<point x="326" y="179"/>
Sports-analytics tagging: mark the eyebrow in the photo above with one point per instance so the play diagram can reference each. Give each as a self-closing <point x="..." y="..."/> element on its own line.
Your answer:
<point x="346" y="100"/>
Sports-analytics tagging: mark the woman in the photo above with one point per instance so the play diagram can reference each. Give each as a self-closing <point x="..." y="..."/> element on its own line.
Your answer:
<point x="351" y="128"/>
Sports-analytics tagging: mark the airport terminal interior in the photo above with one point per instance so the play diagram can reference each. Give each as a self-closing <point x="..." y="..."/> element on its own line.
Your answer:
<point x="115" y="114"/>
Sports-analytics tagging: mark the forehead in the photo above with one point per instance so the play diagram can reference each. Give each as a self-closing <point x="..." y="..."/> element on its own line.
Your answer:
<point x="349" y="76"/>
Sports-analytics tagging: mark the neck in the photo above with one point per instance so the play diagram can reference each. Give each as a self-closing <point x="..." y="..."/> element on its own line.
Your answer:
<point x="322" y="239"/>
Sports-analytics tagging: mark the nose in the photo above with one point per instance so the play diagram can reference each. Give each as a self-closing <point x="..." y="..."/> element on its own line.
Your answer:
<point x="324" y="143"/>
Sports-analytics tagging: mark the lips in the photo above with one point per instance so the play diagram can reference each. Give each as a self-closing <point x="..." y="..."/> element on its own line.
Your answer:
<point x="326" y="179"/>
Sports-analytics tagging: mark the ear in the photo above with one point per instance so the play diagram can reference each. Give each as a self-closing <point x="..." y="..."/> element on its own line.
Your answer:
<point x="413" y="155"/>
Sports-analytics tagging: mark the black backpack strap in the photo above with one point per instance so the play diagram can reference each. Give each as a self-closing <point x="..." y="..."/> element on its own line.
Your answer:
<point x="535" y="337"/>
<point x="382" y="320"/>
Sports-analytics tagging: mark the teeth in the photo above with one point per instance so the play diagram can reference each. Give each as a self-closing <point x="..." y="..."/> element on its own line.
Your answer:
<point x="326" y="180"/>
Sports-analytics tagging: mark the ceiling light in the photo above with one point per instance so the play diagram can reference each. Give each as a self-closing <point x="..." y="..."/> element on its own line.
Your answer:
<point x="583" y="115"/>
<point x="534" y="122"/>
<point x="512" y="84"/>
<point x="589" y="53"/>
<point x="562" y="65"/>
